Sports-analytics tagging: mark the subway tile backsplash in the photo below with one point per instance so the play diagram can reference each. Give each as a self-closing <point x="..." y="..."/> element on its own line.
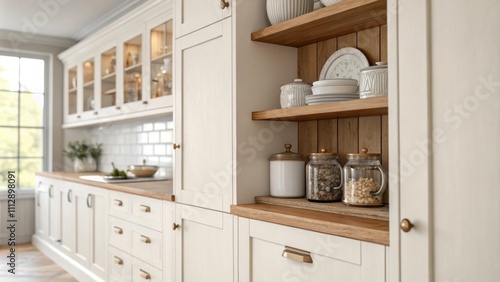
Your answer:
<point x="131" y="142"/>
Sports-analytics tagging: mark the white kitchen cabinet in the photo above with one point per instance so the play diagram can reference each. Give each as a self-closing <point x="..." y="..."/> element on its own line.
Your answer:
<point x="272" y="252"/>
<point x="204" y="245"/>
<point x="55" y="197"/>
<point x="220" y="77"/>
<point x="108" y="76"/>
<point x="42" y="209"/>
<point x="68" y="223"/>
<point x="191" y="15"/>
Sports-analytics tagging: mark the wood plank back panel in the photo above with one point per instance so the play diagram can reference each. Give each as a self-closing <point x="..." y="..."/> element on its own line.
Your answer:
<point x="344" y="135"/>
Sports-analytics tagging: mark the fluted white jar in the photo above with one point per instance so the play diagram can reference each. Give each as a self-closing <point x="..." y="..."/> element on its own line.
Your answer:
<point x="282" y="10"/>
<point x="294" y="94"/>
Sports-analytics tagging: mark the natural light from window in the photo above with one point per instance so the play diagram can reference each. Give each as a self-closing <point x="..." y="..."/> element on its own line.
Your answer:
<point x="22" y="90"/>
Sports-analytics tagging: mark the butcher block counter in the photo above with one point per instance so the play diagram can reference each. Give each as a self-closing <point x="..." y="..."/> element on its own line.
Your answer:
<point x="162" y="189"/>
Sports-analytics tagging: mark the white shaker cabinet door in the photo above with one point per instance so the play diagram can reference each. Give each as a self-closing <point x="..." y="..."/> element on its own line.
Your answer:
<point x="204" y="245"/>
<point x="42" y="209"/>
<point x="68" y="222"/>
<point x="192" y="15"/>
<point x="99" y="242"/>
<point x="54" y="213"/>
<point x="203" y="117"/>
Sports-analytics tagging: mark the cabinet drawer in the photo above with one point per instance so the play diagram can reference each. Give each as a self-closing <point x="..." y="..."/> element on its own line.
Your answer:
<point x="147" y="212"/>
<point x="120" y="265"/>
<point x="142" y="271"/>
<point x="147" y="245"/>
<point x="120" y="234"/>
<point x="119" y="205"/>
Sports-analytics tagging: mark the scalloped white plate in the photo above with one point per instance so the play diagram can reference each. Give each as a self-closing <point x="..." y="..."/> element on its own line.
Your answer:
<point x="344" y="63"/>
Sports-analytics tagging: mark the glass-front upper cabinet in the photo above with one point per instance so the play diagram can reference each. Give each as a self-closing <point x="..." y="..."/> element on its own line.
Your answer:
<point x="132" y="73"/>
<point x="88" y="87"/>
<point x="108" y="102"/>
<point x="72" y="99"/>
<point x="161" y="60"/>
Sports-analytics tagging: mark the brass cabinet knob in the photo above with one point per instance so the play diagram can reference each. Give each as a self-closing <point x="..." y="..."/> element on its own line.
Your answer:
<point x="144" y="102"/>
<point x="224" y="4"/>
<point x="406" y="225"/>
<point x="175" y="226"/>
<point x="176" y="146"/>
<point x="118" y="107"/>
<point x="78" y="116"/>
<point x="96" y="113"/>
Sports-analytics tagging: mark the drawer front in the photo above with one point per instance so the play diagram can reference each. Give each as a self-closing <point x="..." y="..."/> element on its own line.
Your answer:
<point x="147" y="245"/>
<point x="147" y="212"/>
<point x="142" y="271"/>
<point x="120" y="234"/>
<point x="120" y="205"/>
<point x="120" y="265"/>
<point x="329" y="246"/>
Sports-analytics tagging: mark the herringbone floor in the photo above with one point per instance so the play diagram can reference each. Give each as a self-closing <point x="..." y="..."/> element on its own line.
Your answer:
<point x="31" y="266"/>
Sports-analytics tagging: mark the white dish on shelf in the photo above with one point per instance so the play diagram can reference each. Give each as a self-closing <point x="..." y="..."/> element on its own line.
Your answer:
<point x="330" y="96"/>
<point x="318" y="90"/>
<point x="336" y="82"/>
<point x="328" y="101"/>
<point x="344" y="63"/>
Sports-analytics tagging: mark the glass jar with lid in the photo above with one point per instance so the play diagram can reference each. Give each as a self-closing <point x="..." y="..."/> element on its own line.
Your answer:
<point x="287" y="174"/>
<point x="364" y="179"/>
<point x="324" y="177"/>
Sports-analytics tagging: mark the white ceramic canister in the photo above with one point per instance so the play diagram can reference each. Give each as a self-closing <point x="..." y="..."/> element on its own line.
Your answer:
<point x="282" y="10"/>
<point x="294" y="94"/>
<point x="373" y="81"/>
<point x="287" y="171"/>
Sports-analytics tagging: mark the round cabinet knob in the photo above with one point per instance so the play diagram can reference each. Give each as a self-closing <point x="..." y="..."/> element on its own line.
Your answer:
<point x="175" y="226"/>
<point x="406" y="225"/>
<point x="176" y="146"/>
<point x="78" y="117"/>
<point x="224" y="4"/>
<point x="118" y="107"/>
<point x="96" y="113"/>
<point x="144" y="102"/>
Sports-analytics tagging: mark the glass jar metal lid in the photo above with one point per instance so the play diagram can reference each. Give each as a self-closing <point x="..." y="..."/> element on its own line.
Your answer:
<point x="287" y="155"/>
<point x="323" y="153"/>
<point x="364" y="155"/>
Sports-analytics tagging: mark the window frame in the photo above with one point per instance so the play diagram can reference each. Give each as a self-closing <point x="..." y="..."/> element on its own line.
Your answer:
<point x="47" y="59"/>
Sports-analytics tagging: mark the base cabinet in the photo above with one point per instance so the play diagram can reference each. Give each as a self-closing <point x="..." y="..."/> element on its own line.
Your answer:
<point x="273" y="252"/>
<point x="204" y="245"/>
<point x="48" y="209"/>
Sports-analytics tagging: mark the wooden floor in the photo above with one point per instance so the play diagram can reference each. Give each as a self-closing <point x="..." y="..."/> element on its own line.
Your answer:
<point x="31" y="265"/>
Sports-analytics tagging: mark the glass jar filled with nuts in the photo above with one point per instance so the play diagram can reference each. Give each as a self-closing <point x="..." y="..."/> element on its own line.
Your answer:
<point x="364" y="180"/>
<point x="323" y="178"/>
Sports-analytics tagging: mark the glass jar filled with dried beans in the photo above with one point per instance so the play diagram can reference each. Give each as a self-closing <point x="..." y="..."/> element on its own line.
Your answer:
<point x="323" y="177"/>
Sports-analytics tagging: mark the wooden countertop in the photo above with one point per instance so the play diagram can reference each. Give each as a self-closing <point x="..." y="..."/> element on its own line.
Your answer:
<point x="365" y="229"/>
<point x="162" y="190"/>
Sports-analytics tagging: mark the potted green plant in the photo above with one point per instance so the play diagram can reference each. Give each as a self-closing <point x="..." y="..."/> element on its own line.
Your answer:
<point x="84" y="155"/>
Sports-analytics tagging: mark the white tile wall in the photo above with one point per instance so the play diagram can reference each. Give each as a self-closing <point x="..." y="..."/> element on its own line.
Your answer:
<point x="131" y="142"/>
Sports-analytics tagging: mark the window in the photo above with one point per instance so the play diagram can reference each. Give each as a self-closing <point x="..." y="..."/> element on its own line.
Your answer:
<point x="22" y="117"/>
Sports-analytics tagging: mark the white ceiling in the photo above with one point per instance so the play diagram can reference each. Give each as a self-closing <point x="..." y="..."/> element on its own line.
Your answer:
<point x="74" y="19"/>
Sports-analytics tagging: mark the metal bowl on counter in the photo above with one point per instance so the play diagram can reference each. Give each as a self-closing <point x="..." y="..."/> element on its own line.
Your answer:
<point x="142" y="170"/>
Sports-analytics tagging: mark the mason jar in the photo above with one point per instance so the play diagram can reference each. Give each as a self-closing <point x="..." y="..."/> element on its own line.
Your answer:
<point x="324" y="177"/>
<point x="364" y="180"/>
<point x="287" y="174"/>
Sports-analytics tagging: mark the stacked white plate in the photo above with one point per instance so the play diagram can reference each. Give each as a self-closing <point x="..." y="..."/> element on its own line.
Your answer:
<point x="332" y="90"/>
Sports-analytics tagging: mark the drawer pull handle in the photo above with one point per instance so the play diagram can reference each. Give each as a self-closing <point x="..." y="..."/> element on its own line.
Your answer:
<point x="144" y="274"/>
<point x="297" y="255"/>
<point x="145" y="239"/>
<point x="118" y="203"/>
<point x="118" y="260"/>
<point x="118" y="230"/>
<point x="145" y="208"/>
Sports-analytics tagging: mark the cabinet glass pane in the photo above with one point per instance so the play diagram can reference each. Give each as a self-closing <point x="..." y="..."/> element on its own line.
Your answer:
<point x="108" y="78"/>
<point x="161" y="60"/>
<point x="133" y="70"/>
<point x="88" y="85"/>
<point x="72" y="80"/>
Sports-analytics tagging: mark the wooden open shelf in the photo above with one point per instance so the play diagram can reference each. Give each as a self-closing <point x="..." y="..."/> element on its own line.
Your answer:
<point x="335" y="20"/>
<point x="344" y="109"/>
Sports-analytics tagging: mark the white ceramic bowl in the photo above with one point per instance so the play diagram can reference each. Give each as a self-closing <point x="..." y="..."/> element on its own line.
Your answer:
<point x="318" y="90"/>
<point x="142" y="170"/>
<point x="329" y="2"/>
<point x="282" y="10"/>
<point x="336" y="82"/>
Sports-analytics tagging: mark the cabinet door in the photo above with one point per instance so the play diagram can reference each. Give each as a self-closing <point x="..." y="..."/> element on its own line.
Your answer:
<point x="42" y="210"/>
<point x="204" y="245"/>
<point x="54" y="213"/>
<point x="99" y="219"/>
<point x="272" y="252"/>
<point x="191" y="15"/>
<point x="204" y="110"/>
<point x="83" y="224"/>
<point x="68" y="222"/>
